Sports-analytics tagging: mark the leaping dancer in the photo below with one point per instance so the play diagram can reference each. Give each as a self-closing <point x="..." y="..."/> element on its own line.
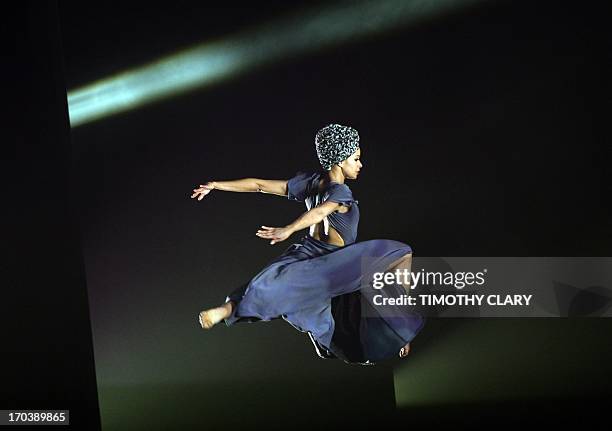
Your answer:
<point x="320" y="283"/>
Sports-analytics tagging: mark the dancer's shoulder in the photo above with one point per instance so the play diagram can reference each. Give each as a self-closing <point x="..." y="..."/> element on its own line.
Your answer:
<point x="300" y="185"/>
<point x="341" y="193"/>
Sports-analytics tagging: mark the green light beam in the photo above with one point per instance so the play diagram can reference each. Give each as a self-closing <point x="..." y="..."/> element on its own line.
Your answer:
<point x="209" y="63"/>
<point x="505" y="360"/>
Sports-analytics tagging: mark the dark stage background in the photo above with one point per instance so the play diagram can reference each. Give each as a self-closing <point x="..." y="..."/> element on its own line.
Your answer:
<point x="483" y="134"/>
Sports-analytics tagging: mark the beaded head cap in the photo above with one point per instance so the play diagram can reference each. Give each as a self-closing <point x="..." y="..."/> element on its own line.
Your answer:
<point x="335" y="143"/>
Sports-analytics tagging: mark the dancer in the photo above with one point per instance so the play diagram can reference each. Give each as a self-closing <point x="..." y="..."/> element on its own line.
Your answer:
<point x="322" y="283"/>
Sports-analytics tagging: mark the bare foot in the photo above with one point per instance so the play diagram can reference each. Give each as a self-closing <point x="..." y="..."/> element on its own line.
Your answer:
<point x="209" y="318"/>
<point x="404" y="351"/>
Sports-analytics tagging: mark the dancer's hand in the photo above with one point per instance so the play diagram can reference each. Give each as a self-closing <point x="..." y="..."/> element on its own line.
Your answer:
<point x="203" y="190"/>
<point x="276" y="234"/>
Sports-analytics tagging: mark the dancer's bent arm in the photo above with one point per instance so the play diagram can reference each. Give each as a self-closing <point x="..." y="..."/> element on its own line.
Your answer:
<point x="313" y="216"/>
<point x="275" y="187"/>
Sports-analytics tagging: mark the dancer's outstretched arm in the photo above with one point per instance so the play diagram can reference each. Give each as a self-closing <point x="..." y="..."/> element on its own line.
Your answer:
<point x="313" y="216"/>
<point x="275" y="187"/>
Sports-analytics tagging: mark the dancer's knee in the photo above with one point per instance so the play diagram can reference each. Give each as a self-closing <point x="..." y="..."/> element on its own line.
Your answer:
<point x="407" y="256"/>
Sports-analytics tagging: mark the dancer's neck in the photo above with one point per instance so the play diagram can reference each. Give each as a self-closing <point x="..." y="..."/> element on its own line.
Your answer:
<point x="335" y="175"/>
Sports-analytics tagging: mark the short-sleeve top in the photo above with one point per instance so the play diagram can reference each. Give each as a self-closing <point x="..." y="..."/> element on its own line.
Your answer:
<point x="303" y="188"/>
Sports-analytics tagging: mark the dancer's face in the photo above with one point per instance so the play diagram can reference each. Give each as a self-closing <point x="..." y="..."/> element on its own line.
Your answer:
<point x="352" y="165"/>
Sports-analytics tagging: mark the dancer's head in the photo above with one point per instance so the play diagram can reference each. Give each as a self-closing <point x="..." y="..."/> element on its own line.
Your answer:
<point x="338" y="149"/>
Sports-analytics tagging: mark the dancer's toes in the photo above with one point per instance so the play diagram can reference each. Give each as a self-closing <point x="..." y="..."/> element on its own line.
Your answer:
<point x="207" y="320"/>
<point x="404" y="351"/>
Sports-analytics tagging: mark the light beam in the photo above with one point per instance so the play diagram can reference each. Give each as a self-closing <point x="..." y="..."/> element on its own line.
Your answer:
<point x="212" y="62"/>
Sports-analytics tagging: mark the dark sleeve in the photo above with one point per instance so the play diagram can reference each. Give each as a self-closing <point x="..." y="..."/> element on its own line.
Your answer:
<point x="341" y="194"/>
<point x="299" y="186"/>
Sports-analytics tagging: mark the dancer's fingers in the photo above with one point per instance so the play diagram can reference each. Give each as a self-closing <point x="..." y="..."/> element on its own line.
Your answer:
<point x="272" y="233"/>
